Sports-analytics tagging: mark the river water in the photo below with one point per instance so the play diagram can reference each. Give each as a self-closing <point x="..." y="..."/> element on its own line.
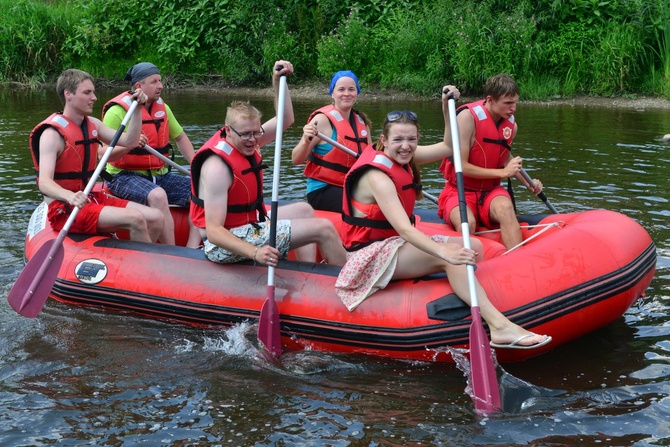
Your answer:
<point x="85" y="377"/>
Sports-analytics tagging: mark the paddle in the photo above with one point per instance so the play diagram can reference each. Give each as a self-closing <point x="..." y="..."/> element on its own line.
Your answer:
<point x="342" y="147"/>
<point x="482" y="370"/>
<point x="162" y="157"/>
<point x="32" y="287"/>
<point x="540" y="195"/>
<point x="268" y="325"/>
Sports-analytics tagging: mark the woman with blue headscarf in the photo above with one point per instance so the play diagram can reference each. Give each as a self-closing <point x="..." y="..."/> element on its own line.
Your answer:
<point x="326" y="165"/>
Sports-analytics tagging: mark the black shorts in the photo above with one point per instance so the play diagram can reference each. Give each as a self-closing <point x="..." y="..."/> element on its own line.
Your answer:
<point x="328" y="198"/>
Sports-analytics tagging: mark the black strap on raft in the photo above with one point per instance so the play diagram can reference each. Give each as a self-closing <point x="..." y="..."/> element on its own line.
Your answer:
<point x="448" y="308"/>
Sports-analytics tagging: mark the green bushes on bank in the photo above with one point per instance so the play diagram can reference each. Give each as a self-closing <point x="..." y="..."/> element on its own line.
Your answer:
<point x="552" y="47"/>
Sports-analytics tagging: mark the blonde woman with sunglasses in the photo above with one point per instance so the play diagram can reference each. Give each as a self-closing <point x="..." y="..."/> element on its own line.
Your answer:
<point x="384" y="245"/>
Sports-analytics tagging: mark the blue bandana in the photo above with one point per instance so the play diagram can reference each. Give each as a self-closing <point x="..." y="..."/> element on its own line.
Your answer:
<point x="343" y="74"/>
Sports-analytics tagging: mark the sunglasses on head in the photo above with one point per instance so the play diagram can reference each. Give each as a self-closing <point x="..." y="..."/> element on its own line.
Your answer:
<point x="398" y="114"/>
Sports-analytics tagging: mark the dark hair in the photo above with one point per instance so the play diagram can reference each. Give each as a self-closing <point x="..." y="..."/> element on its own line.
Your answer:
<point x="364" y="117"/>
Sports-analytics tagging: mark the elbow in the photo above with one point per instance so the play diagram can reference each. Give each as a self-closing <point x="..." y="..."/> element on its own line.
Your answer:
<point x="297" y="160"/>
<point x="405" y="232"/>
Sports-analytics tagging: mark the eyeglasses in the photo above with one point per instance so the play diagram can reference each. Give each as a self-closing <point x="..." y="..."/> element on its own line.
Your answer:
<point x="398" y="114"/>
<point x="249" y="135"/>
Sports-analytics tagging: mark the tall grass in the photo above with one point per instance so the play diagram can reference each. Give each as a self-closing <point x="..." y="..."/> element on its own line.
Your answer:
<point x="32" y="34"/>
<point x="662" y="34"/>
<point x="551" y="47"/>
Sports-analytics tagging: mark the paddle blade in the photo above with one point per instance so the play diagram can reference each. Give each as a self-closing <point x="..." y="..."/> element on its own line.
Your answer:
<point x="32" y="287"/>
<point x="484" y="379"/>
<point x="268" y="326"/>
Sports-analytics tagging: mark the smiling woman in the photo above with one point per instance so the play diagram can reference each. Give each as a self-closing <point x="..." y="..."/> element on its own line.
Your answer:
<point x="325" y="165"/>
<point x="382" y="242"/>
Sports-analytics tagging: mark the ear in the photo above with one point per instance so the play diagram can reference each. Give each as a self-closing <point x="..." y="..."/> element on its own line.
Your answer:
<point x="383" y="140"/>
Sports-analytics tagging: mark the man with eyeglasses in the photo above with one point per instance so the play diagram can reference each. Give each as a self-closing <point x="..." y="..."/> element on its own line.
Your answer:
<point x="227" y="194"/>
<point x="138" y="175"/>
<point x="486" y="131"/>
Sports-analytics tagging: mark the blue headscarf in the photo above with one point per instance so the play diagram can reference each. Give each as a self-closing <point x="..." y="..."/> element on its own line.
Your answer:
<point x="343" y="74"/>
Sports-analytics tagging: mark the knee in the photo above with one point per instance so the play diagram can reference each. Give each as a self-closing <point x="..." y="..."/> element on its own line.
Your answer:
<point x="476" y="245"/>
<point x="304" y="210"/>
<point x="157" y="198"/>
<point x="326" y="227"/>
<point x="503" y="211"/>
<point x="136" y="219"/>
<point x="155" y="218"/>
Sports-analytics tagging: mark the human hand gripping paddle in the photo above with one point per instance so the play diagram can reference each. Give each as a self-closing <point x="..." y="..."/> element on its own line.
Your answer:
<point x="32" y="287"/>
<point x="269" y="332"/>
<point x="482" y="370"/>
<point x="541" y="194"/>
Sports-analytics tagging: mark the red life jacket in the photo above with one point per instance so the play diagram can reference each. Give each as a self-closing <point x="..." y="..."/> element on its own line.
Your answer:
<point x="490" y="150"/>
<point x="360" y="231"/>
<point x="76" y="164"/>
<point x="245" y="196"/>
<point x="154" y="125"/>
<point x="333" y="166"/>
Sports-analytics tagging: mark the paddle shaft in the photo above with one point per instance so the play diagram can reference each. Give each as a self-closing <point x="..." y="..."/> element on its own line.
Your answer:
<point x="540" y="195"/>
<point x="462" y="204"/>
<point x="165" y="159"/>
<point x="484" y="379"/>
<point x="269" y="331"/>
<point x="58" y="242"/>
<point x="274" y="204"/>
<point x="342" y="147"/>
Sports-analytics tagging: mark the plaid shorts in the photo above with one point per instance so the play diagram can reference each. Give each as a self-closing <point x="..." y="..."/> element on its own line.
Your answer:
<point x="134" y="186"/>
<point x="255" y="234"/>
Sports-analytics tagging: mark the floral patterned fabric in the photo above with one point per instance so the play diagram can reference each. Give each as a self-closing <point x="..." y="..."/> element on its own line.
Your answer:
<point x="369" y="269"/>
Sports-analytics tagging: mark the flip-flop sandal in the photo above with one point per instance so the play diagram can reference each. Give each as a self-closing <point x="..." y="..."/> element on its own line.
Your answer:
<point x="515" y="344"/>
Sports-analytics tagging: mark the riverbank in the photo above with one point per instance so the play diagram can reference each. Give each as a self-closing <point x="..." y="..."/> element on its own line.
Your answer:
<point x="312" y="92"/>
<point x="317" y="91"/>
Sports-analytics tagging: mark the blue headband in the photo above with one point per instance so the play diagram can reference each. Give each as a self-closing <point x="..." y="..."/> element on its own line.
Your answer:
<point x="343" y="74"/>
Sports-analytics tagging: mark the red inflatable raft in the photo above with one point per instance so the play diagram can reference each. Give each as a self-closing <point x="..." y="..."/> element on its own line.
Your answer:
<point x="574" y="274"/>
